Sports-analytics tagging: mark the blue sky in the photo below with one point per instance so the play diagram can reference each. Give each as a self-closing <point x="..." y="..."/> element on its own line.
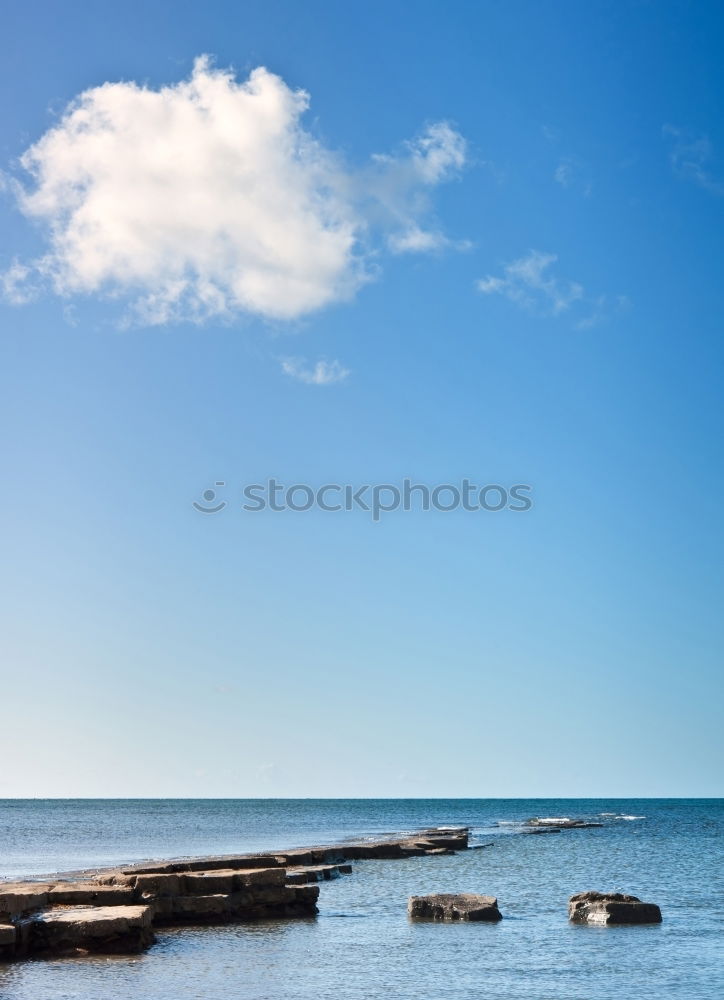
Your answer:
<point x="497" y="228"/>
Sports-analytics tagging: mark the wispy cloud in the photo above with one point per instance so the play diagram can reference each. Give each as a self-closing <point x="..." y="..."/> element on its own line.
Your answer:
<point x="397" y="188"/>
<point x="321" y="373"/>
<point x="210" y="198"/>
<point x="16" y="284"/>
<point x="572" y="174"/>
<point x="530" y="283"/>
<point x="416" y="240"/>
<point x="602" y="308"/>
<point x="691" y="158"/>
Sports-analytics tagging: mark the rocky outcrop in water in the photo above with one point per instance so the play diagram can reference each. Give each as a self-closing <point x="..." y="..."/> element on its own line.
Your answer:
<point x="605" y="908"/>
<point x="454" y="906"/>
<point x="115" y="910"/>
<point x="554" y="825"/>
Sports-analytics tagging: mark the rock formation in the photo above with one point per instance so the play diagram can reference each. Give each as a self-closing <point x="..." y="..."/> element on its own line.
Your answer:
<point x="605" y="908"/>
<point x="115" y="910"/>
<point x="454" y="906"/>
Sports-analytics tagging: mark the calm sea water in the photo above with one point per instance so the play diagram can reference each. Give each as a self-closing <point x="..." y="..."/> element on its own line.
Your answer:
<point x="361" y="945"/>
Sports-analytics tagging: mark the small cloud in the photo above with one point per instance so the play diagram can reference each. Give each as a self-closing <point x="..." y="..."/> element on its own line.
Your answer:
<point x="530" y="283"/>
<point x="691" y="158"/>
<point x="416" y="240"/>
<point x="16" y="284"/>
<point x="321" y="373"/>
<point x="527" y="281"/>
<point x="571" y="173"/>
<point x="602" y="309"/>
<point x="397" y="189"/>
<point x="562" y="174"/>
<point x="438" y="153"/>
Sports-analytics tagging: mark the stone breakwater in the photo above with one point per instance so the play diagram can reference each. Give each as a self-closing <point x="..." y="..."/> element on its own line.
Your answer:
<point x="116" y="910"/>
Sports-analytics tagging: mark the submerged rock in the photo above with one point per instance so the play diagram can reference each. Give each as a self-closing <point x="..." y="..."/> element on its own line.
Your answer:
<point x="454" y="906"/>
<point x="562" y="823"/>
<point x="605" y="908"/>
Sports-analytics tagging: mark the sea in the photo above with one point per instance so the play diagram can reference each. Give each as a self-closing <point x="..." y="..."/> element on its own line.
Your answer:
<point x="362" y="946"/>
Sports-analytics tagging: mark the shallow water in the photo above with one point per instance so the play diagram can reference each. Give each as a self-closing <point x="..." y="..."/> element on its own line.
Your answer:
<point x="362" y="945"/>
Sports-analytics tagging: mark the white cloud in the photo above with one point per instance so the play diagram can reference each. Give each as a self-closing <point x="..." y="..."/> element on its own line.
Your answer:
<point x="416" y="240"/>
<point x="527" y="282"/>
<point x="691" y="158"/>
<point x="600" y="309"/>
<point x="209" y="198"/>
<point x="397" y="188"/>
<point x="16" y="284"/>
<point x="437" y="153"/>
<point x="321" y="373"/>
<point x="571" y="173"/>
<point x="563" y="173"/>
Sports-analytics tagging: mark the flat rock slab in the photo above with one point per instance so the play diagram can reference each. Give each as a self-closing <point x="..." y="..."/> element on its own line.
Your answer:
<point x="89" y="893"/>
<point x="454" y="906"/>
<point x="112" y="910"/>
<point x="102" y="929"/>
<point x="251" y="904"/>
<point x="607" y="908"/>
<point x="430" y="841"/>
<point x="17" y="898"/>
<point x="316" y="873"/>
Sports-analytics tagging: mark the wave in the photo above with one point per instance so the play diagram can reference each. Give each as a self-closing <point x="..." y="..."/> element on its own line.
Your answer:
<point x="621" y="816"/>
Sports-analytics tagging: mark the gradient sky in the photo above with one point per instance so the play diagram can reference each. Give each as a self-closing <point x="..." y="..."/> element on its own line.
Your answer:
<point x="572" y="650"/>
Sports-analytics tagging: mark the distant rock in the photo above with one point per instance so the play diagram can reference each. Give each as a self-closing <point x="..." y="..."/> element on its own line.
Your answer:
<point x="454" y="906"/>
<point x="605" y="908"/>
<point x="562" y="823"/>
